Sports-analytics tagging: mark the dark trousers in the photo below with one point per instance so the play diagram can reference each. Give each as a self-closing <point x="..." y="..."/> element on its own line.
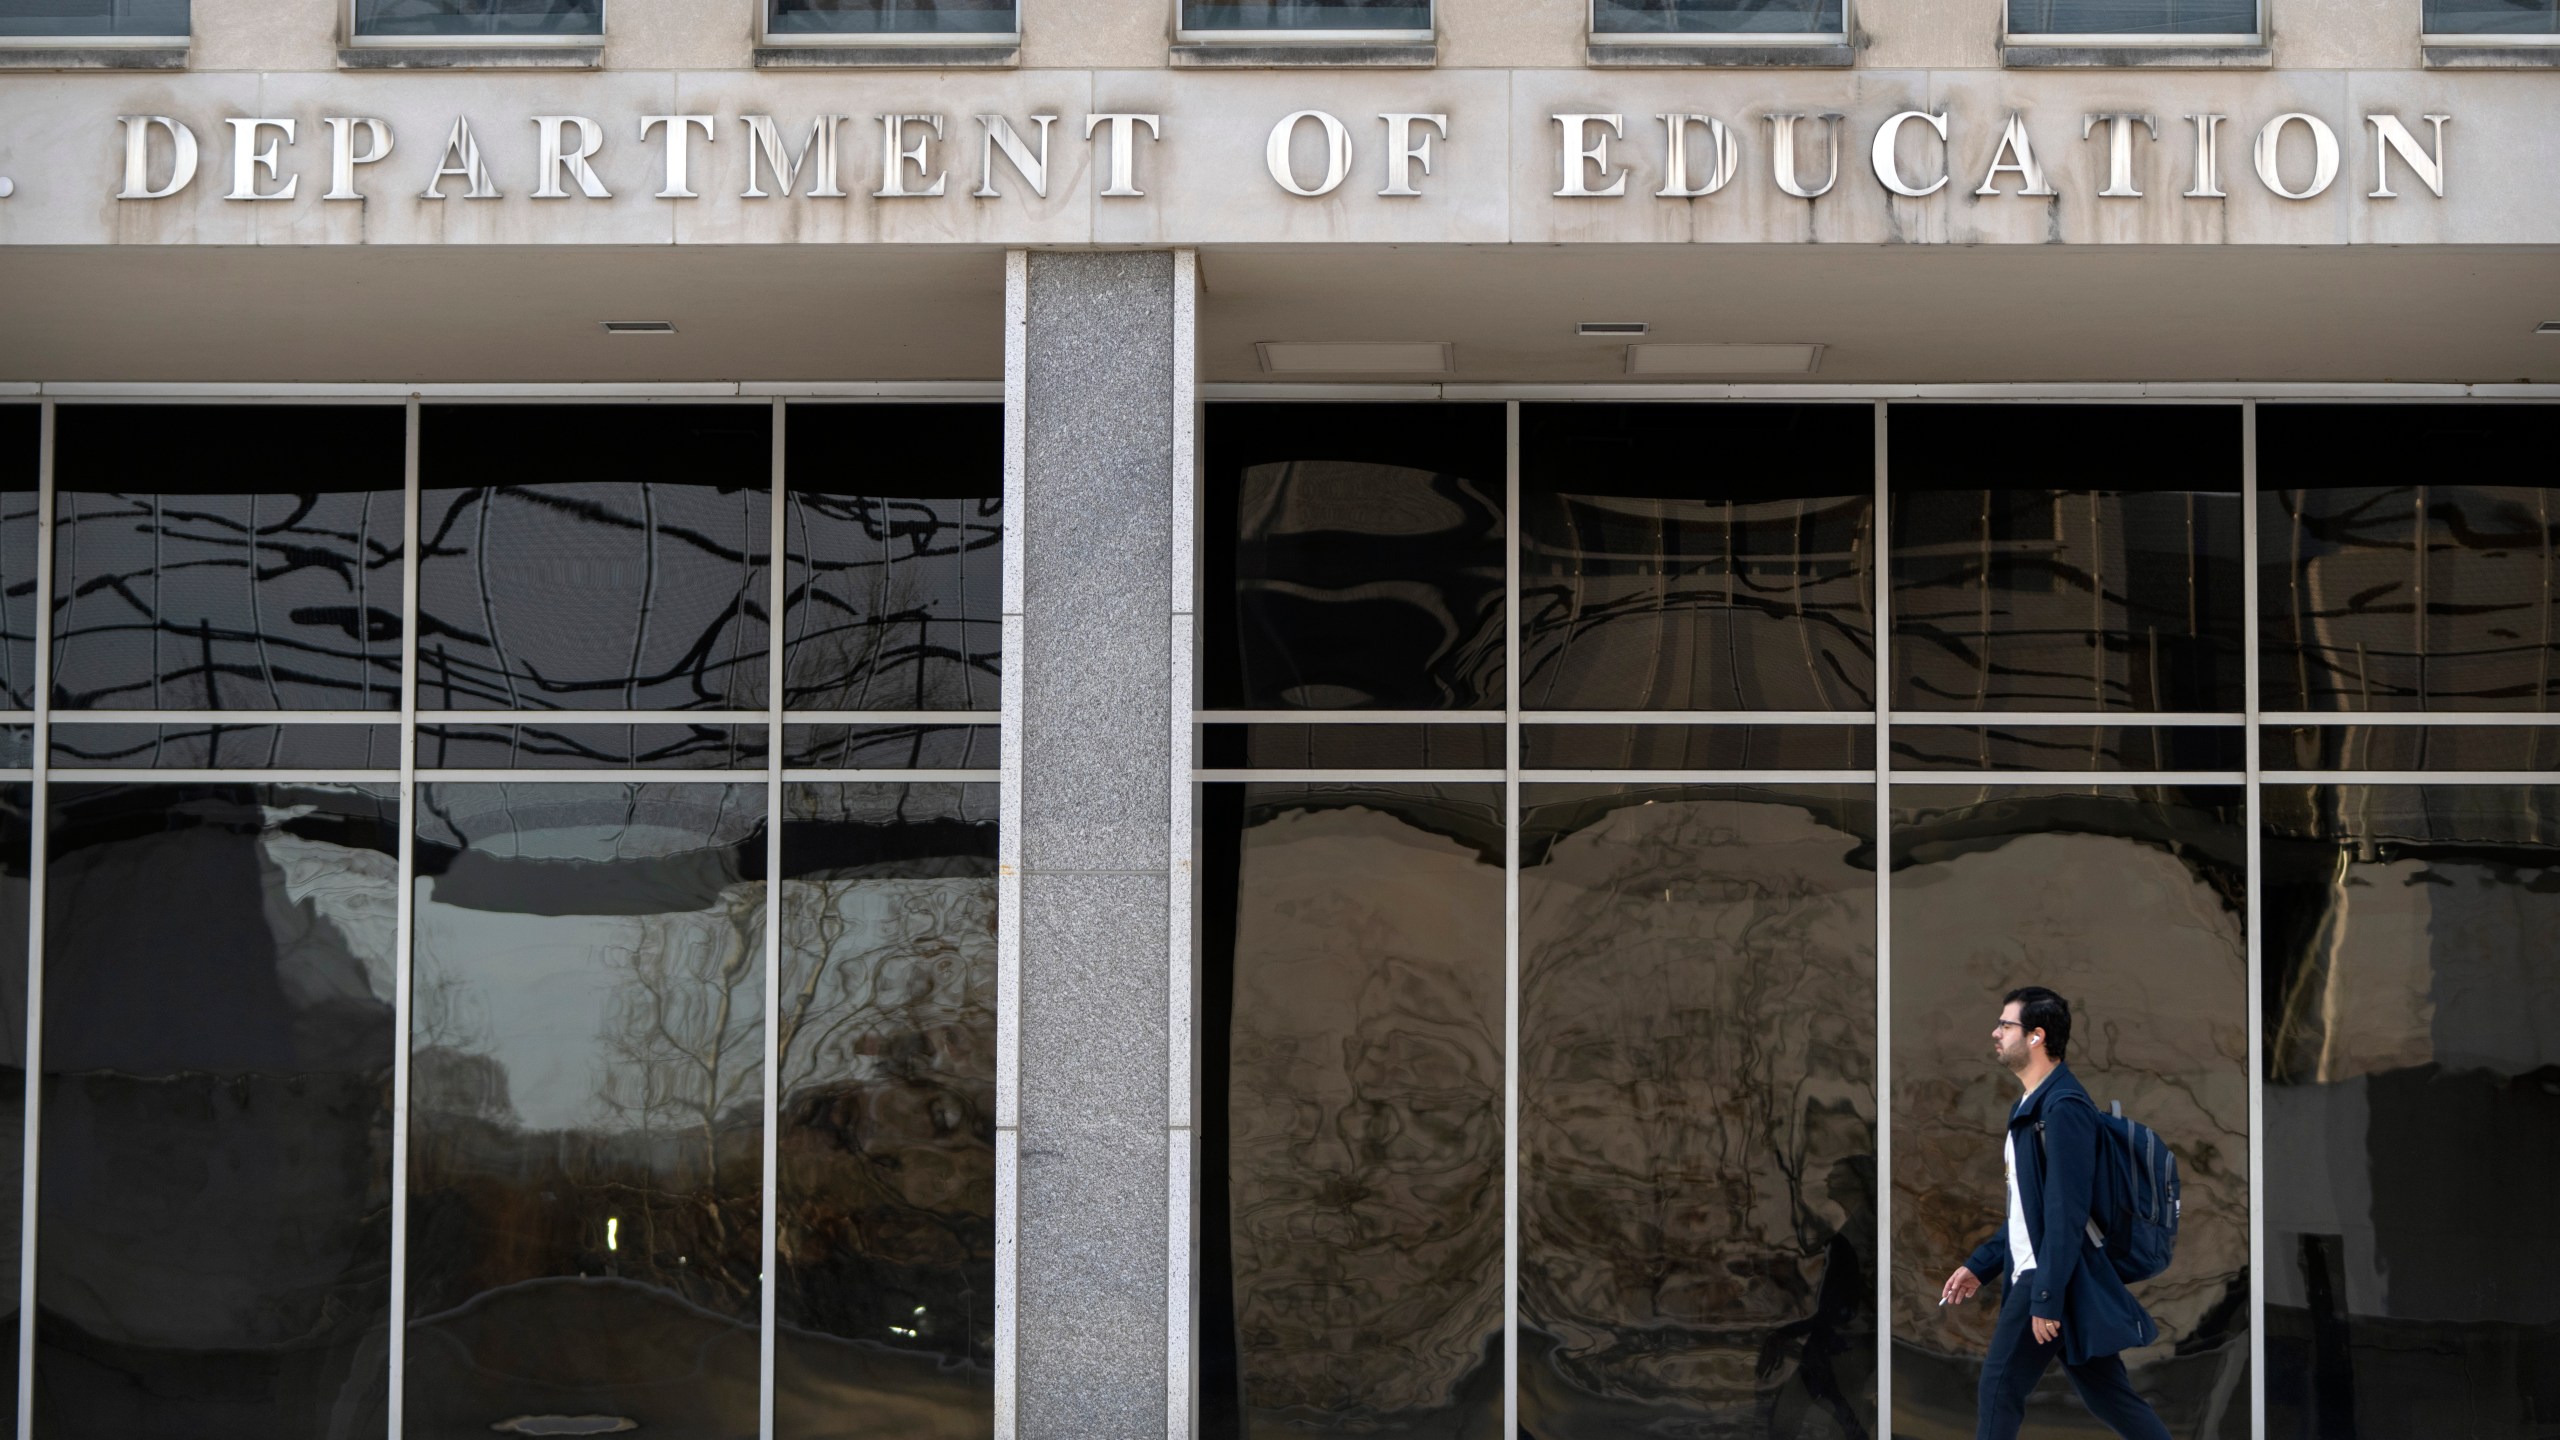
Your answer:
<point x="2017" y="1362"/>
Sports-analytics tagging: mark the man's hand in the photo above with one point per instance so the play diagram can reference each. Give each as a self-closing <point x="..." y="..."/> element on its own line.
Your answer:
<point x="2047" y="1331"/>
<point x="1960" y="1287"/>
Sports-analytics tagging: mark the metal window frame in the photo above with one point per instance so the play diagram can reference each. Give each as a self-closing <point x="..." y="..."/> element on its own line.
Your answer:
<point x="1740" y="39"/>
<point x="857" y="39"/>
<point x="357" y="38"/>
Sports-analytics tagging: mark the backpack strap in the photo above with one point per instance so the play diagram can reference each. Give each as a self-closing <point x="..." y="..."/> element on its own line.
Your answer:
<point x="2044" y="1144"/>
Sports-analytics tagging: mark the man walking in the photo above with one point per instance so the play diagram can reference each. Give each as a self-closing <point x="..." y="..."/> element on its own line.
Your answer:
<point x="2062" y="1296"/>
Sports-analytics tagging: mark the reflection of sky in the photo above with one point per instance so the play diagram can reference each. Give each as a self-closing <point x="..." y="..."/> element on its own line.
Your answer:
<point x="537" y="993"/>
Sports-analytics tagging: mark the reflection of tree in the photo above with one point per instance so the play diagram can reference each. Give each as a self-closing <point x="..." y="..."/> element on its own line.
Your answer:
<point x="884" y="609"/>
<point x="887" y="1037"/>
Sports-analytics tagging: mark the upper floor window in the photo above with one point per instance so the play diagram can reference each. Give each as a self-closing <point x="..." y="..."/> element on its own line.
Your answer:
<point x="1672" y="19"/>
<point x="500" y="20"/>
<point x="2518" y="19"/>
<point x="2084" y="21"/>
<point x="93" y="19"/>
<point x="1304" y="19"/>
<point x="798" y="20"/>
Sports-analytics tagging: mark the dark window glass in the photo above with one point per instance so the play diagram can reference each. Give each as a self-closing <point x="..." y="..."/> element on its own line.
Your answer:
<point x="17" y="746"/>
<point x="598" y="557"/>
<point x="227" y="747"/>
<point x="1718" y="17"/>
<point x="2409" y="557"/>
<point x="586" y="1095"/>
<point x="1354" y="556"/>
<point x="495" y="19"/>
<point x="1351" y="747"/>
<point x="21" y="459"/>
<point x="1697" y="747"/>
<point x="2068" y="747"/>
<point x="2133" y="17"/>
<point x="16" y="801"/>
<point x="219" y="1023"/>
<point x="591" y="747"/>
<point x="891" y="747"/>
<point x="885" y="1210"/>
<point x="2128" y="901"/>
<point x="145" y="18"/>
<point x="889" y="17"/>
<point x="2410" y="747"/>
<point x="2493" y="17"/>
<point x="1352" y="1066"/>
<point x="2066" y="557"/>
<point x="2412" y="1013"/>
<point x="1697" y="557"/>
<point x="1306" y="14"/>
<point x="896" y="581"/>
<point x="203" y="576"/>
<point x="1697" y="1110"/>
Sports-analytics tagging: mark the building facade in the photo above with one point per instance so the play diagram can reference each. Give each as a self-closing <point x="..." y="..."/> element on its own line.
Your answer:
<point x="1266" y="718"/>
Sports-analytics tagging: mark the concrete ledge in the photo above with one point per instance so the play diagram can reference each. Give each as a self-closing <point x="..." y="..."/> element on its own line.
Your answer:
<point x="1817" y="56"/>
<point x="1353" y="55"/>
<point x="889" y="57"/>
<point x="92" y="57"/>
<point x="2138" y="57"/>
<point x="2491" y="57"/>
<point x="471" y="57"/>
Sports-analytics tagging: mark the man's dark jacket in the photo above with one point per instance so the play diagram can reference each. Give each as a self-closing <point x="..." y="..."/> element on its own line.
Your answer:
<point x="2057" y="1141"/>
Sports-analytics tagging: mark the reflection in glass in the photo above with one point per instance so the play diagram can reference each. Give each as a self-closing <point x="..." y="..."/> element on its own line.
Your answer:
<point x="2130" y="902"/>
<point x="138" y="18"/>
<point x="2493" y="17"/>
<point x="219" y="1024"/>
<point x="16" y="801"/>
<point x="1351" y="747"/>
<point x="591" y="747"/>
<point x="190" y="576"/>
<point x="1306" y="14"/>
<point x="21" y="459"/>
<point x="226" y="747"/>
<point x="496" y="19"/>
<point x="2133" y="17"/>
<point x="1352" y="1227"/>
<point x="891" y="747"/>
<point x="1697" y="557"/>
<point x="2409" y="557"/>
<point x="1354" y="556"/>
<point x="790" y="18"/>
<point x="1718" y="17"/>
<point x="2109" y="580"/>
<point x="2068" y="747"/>
<point x="586" y="1093"/>
<point x="886" y="1201"/>
<point x="2409" y="747"/>
<point x="1697" y="1110"/>
<point x="1698" y="747"/>
<point x="2412" y="1011"/>
<point x="895" y="586"/>
<point x="597" y="557"/>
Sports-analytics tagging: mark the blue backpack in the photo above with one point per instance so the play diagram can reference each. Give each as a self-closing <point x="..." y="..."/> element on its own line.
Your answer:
<point x="2133" y="1199"/>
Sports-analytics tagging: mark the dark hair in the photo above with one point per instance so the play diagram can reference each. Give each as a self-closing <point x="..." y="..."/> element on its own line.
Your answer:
<point x="2041" y="1009"/>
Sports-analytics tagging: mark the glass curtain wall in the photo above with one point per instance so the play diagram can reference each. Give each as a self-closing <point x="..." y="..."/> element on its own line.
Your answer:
<point x="417" y="1046"/>
<point x="1621" y="822"/>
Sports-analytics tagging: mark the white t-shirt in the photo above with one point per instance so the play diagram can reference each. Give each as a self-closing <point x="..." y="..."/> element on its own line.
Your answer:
<point x="2022" y="1251"/>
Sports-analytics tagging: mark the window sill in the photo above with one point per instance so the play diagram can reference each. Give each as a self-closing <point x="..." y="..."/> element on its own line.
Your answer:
<point x="1355" y="55"/>
<point x="2490" y="55"/>
<point x="92" y="57"/>
<point x="1813" y="55"/>
<point x="2137" y="57"/>
<point x="471" y="57"/>
<point x="1004" y="56"/>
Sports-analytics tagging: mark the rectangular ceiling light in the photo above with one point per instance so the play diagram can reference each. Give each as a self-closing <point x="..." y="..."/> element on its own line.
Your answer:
<point x="639" y="327"/>
<point x="1357" y="357"/>
<point x="1722" y="359"/>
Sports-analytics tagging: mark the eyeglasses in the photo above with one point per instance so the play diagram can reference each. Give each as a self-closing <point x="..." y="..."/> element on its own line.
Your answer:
<point x="2004" y="1024"/>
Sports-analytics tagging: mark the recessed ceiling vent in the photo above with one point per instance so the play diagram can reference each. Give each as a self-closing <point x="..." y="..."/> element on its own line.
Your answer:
<point x="1612" y="327"/>
<point x="1357" y="357"/>
<point x="639" y="327"/>
<point x="2547" y="327"/>
<point x="1723" y="359"/>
